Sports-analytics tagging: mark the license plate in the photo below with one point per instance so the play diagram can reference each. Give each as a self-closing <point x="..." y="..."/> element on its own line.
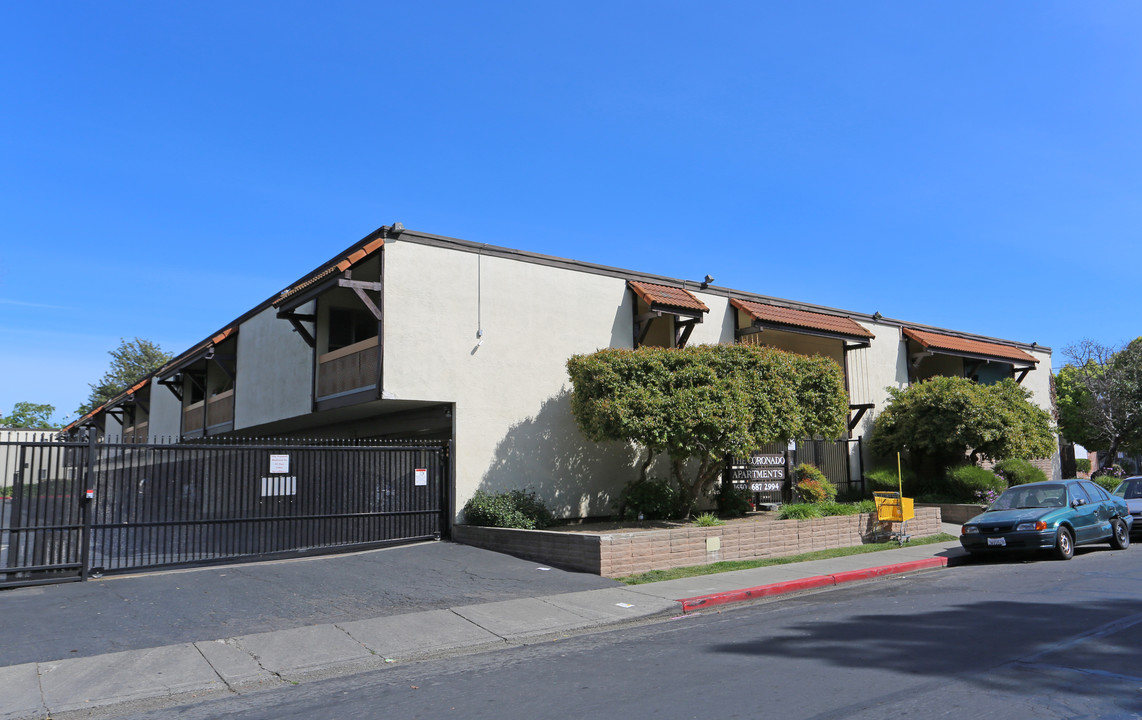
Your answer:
<point x="1000" y="542"/>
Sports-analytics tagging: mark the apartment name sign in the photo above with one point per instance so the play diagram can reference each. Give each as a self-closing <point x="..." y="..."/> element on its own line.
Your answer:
<point x="761" y="472"/>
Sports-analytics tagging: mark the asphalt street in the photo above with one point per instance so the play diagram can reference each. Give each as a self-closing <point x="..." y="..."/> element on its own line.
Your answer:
<point x="1018" y="639"/>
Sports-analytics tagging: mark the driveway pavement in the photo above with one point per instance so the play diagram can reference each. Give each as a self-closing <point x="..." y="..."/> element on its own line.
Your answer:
<point x="119" y="612"/>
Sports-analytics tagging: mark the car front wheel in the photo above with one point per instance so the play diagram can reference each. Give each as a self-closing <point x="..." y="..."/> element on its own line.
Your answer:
<point x="1064" y="544"/>
<point x="1120" y="535"/>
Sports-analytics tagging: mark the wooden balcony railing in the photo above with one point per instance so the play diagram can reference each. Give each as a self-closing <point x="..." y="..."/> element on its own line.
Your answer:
<point x="193" y="417"/>
<point x="353" y="367"/>
<point x="220" y="408"/>
<point x="137" y="433"/>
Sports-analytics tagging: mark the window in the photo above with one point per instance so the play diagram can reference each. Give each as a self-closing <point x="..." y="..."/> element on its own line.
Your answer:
<point x="1078" y="493"/>
<point x="1096" y="493"/>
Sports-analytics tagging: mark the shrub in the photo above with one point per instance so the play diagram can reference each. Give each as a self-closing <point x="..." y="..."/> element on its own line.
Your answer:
<point x="964" y="481"/>
<point x="808" y="511"/>
<point x="883" y="479"/>
<point x="1114" y="471"/>
<point x="1082" y="465"/>
<point x="835" y="508"/>
<point x="986" y="497"/>
<point x="812" y="485"/>
<point x="512" y="509"/>
<point x="732" y="501"/>
<point x="800" y="511"/>
<point x="1018" y="472"/>
<point x="708" y="520"/>
<point x="653" y="499"/>
<point x="1108" y="482"/>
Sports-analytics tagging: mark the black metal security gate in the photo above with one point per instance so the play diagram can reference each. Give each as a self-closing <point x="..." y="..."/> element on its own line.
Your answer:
<point x="769" y="472"/>
<point x="76" y="508"/>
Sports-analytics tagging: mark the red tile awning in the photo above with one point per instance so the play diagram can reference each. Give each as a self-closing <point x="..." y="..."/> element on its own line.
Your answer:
<point x="117" y="400"/>
<point x="953" y="345"/>
<point x="667" y="298"/>
<point x="196" y="353"/>
<point x="794" y="320"/>
<point x="334" y="268"/>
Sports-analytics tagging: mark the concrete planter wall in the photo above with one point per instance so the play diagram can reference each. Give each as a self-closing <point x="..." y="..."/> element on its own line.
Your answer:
<point x="619" y="554"/>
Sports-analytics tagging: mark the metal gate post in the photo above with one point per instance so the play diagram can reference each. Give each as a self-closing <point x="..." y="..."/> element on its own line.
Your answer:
<point x="447" y="469"/>
<point x="15" y="519"/>
<point x="787" y="490"/>
<point x="86" y="504"/>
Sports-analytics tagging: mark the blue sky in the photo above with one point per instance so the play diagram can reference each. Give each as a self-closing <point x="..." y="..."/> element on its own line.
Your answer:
<point x="164" y="167"/>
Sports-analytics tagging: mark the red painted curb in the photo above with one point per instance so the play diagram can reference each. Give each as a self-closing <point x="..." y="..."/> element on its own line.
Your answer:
<point x="809" y="583"/>
<point x="865" y="574"/>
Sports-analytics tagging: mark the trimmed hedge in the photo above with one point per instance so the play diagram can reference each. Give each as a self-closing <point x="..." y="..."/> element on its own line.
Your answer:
<point x="965" y="481"/>
<point x="1018" y="472"/>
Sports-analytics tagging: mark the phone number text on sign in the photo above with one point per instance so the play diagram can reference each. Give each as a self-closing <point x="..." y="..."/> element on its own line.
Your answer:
<point x="765" y="487"/>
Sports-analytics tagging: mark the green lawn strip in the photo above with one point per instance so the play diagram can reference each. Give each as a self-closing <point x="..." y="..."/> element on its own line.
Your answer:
<point x="729" y="565"/>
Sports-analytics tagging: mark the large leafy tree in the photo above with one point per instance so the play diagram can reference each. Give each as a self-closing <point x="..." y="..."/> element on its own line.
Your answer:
<point x="704" y="402"/>
<point x="1099" y="396"/>
<point x="132" y="361"/>
<point x="32" y="416"/>
<point x="945" y="420"/>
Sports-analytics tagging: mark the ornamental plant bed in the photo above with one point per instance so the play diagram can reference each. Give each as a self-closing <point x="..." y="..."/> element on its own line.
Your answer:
<point x="619" y="549"/>
<point x="590" y="525"/>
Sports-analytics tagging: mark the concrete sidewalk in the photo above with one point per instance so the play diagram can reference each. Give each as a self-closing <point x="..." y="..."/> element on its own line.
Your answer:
<point x="130" y="680"/>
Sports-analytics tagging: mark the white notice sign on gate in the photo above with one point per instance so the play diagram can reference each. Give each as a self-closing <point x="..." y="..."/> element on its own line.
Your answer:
<point x="279" y="464"/>
<point x="273" y="486"/>
<point x="422" y="477"/>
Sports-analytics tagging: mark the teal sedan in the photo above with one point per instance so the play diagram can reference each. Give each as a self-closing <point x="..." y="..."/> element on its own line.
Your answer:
<point x="1054" y="516"/>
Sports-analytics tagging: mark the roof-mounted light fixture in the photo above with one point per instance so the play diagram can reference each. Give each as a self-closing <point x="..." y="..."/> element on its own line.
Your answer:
<point x="706" y="281"/>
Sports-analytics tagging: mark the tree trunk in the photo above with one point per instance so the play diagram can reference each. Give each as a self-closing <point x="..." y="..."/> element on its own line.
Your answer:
<point x="646" y="465"/>
<point x="1111" y="455"/>
<point x="708" y="472"/>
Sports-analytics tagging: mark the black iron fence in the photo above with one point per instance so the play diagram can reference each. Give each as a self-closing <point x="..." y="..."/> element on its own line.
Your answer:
<point x="73" y="508"/>
<point x="42" y="509"/>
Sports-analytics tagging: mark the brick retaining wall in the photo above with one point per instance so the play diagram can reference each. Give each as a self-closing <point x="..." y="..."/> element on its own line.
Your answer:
<point x="619" y="554"/>
<point x="957" y="514"/>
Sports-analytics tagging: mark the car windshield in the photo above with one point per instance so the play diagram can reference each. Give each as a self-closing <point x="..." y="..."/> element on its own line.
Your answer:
<point x="1035" y="496"/>
<point x="1129" y="490"/>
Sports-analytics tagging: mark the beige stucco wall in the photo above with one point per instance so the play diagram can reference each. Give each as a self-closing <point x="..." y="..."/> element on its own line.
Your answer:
<point x="512" y="422"/>
<point x="1038" y="381"/>
<point x="718" y="325"/>
<point x="164" y="422"/>
<point x="875" y="369"/>
<point x="274" y="379"/>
